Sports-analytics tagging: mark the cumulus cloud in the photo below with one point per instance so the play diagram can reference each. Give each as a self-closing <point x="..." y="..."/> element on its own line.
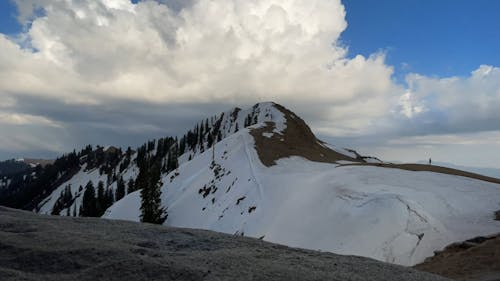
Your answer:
<point x="22" y="119"/>
<point x="452" y="104"/>
<point x="482" y="138"/>
<point x="114" y="68"/>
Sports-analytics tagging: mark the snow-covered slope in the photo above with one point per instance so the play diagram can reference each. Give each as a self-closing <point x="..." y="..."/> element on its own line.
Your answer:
<point x="391" y="215"/>
<point x="77" y="185"/>
<point x="219" y="127"/>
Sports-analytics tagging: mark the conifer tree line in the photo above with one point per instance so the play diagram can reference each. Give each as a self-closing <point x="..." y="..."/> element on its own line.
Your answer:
<point x="203" y="136"/>
<point x="154" y="158"/>
<point x="65" y="200"/>
<point x="95" y="203"/>
<point x="28" y="189"/>
<point x="252" y="118"/>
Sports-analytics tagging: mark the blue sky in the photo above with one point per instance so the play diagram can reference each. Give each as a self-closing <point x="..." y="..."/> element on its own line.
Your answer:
<point x="8" y="22"/>
<point x="434" y="38"/>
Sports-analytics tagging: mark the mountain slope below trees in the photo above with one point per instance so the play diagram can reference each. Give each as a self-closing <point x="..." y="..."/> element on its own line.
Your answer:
<point x="38" y="247"/>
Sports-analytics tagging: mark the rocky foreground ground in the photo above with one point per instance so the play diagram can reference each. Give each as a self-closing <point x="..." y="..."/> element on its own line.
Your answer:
<point x="37" y="247"/>
<point x="475" y="259"/>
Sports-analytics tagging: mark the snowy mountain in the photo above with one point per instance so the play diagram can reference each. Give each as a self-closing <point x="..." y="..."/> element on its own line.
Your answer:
<point x="262" y="173"/>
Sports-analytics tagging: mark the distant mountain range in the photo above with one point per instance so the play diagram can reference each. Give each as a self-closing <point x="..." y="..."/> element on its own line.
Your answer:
<point x="261" y="172"/>
<point x="12" y="166"/>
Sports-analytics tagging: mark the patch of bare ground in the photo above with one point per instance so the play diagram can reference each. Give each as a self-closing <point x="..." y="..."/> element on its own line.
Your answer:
<point x="428" y="168"/>
<point x="296" y="140"/>
<point x="474" y="259"/>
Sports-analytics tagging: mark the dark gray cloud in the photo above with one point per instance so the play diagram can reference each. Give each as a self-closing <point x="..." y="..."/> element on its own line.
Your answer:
<point x="114" y="122"/>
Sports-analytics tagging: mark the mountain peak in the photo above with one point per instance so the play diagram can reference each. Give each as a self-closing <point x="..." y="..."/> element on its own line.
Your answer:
<point x="288" y="135"/>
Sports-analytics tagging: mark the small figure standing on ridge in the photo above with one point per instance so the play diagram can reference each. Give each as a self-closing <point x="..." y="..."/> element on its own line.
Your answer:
<point x="430" y="161"/>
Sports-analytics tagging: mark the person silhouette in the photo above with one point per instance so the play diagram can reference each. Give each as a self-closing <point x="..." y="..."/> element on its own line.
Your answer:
<point x="430" y="161"/>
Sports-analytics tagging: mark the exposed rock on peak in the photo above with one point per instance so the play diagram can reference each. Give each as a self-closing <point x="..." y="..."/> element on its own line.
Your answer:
<point x="296" y="139"/>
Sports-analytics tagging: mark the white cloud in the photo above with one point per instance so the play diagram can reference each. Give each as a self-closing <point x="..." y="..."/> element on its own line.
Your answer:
<point x="457" y="103"/>
<point x="210" y="51"/>
<point x="482" y="138"/>
<point x="27" y="119"/>
<point x="408" y="106"/>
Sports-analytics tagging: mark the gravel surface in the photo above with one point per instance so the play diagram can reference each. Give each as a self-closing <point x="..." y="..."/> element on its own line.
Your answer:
<point x="37" y="247"/>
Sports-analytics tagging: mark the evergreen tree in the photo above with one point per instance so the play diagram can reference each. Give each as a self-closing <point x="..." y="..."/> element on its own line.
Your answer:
<point x="109" y="179"/>
<point x="201" y="135"/>
<point x="247" y="121"/>
<point x="151" y="145"/>
<point x="196" y="135"/>
<point x="64" y="201"/>
<point x="110" y="198"/>
<point x="120" y="189"/>
<point x="89" y="202"/>
<point x="175" y="157"/>
<point x="151" y="210"/>
<point x="182" y="145"/>
<point x="130" y="186"/>
<point x="68" y="196"/>
<point x="142" y="177"/>
<point x="210" y="139"/>
<point x="101" y="199"/>
<point x="169" y="162"/>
